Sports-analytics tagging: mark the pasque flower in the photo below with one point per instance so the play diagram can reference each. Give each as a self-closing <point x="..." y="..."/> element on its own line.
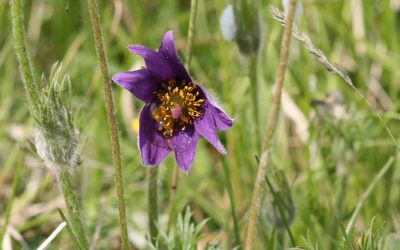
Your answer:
<point x="177" y="111"/>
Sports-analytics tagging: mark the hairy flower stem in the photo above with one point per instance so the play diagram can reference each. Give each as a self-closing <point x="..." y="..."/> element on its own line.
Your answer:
<point x="189" y="46"/>
<point x="72" y="203"/>
<point x="153" y="202"/>
<point x="190" y="38"/>
<point x="22" y="54"/>
<point x="272" y="120"/>
<point x="94" y="17"/>
<point x="254" y="97"/>
<point x="172" y="193"/>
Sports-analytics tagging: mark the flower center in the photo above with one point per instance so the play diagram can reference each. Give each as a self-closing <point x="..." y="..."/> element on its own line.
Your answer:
<point x="177" y="107"/>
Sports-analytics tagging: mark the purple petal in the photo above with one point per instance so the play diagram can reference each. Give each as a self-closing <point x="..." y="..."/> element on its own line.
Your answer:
<point x="167" y="49"/>
<point x="159" y="67"/>
<point x="138" y="82"/>
<point x="184" y="145"/>
<point x="207" y="125"/>
<point x="153" y="147"/>
<point x="222" y="120"/>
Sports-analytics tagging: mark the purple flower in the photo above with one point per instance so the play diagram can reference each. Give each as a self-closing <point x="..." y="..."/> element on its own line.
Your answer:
<point x="176" y="111"/>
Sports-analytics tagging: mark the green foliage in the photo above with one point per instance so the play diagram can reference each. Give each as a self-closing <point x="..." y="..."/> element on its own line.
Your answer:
<point x="392" y="241"/>
<point x="185" y="236"/>
<point x="327" y="173"/>
<point x="278" y="206"/>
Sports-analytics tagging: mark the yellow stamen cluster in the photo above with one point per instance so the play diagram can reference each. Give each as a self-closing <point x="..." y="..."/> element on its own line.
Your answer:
<point x="177" y="107"/>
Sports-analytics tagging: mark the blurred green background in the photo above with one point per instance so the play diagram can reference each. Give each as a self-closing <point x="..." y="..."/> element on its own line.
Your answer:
<point x="328" y="159"/>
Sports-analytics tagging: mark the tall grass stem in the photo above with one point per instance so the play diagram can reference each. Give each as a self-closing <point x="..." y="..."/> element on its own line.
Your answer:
<point x="94" y="17"/>
<point x="323" y="60"/>
<point x="272" y="120"/>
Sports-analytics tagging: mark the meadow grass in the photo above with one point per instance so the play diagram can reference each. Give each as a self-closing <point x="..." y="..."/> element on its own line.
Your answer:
<point x="342" y="170"/>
